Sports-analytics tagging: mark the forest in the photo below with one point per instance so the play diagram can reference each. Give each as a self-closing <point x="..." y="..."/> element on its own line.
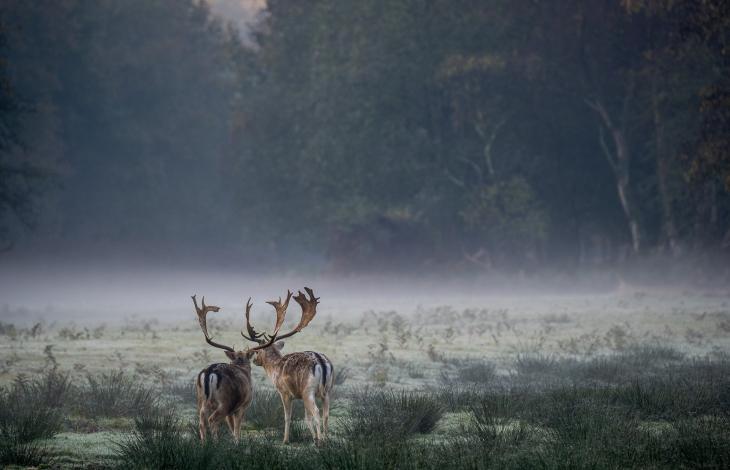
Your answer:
<point x="359" y="135"/>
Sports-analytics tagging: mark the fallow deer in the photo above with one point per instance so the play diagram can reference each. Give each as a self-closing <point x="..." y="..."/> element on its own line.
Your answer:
<point x="223" y="390"/>
<point x="300" y="375"/>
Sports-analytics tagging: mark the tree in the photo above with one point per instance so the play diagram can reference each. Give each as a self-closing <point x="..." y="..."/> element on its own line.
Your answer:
<point x="19" y="177"/>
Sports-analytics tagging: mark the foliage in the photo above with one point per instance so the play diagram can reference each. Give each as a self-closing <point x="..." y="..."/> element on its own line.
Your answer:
<point x="507" y="133"/>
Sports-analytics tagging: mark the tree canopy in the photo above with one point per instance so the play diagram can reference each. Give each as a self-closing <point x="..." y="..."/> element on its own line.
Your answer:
<point x="419" y="133"/>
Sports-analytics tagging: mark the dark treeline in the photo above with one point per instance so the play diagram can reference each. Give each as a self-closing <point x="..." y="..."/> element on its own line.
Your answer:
<point x="373" y="134"/>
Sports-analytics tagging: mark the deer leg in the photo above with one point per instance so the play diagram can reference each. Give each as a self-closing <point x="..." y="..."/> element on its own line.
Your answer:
<point x="287" y="401"/>
<point x="238" y="419"/>
<point x="202" y="418"/>
<point x="214" y="421"/>
<point x="308" y="421"/>
<point x="311" y="406"/>
<point x="229" y="422"/>
<point x="325" y="414"/>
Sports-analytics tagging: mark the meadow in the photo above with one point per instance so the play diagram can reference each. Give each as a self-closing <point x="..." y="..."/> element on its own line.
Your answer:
<point x="632" y="379"/>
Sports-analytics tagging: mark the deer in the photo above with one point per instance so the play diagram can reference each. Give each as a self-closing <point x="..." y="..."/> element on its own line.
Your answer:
<point x="305" y="375"/>
<point x="224" y="390"/>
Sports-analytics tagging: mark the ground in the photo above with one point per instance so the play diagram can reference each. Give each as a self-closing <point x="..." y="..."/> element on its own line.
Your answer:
<point x="483" y="343"/>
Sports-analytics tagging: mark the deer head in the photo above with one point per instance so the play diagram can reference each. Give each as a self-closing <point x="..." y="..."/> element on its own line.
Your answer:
<point x="236" y="357"/>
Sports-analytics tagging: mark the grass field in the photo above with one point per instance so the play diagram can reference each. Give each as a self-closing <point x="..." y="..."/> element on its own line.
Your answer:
<point x="628" y="380"/>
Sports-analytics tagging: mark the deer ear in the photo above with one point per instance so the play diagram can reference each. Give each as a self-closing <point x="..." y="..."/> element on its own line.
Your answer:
<point x="279" y="345"/>
<point x="231" y="355"/>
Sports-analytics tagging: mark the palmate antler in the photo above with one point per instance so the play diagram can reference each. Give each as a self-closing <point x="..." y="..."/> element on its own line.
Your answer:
<point x="267" y="340"/>
<point x="309" y="310"/>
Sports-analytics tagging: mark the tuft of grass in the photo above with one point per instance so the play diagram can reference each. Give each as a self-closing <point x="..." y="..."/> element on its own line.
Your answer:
<point x="26" y="454"/>
<point x="164" y="441"/>
<point x="184" y="391"/>
<point x="392" y="415"/>
<point x="703" y="443"/>
<point x="52" y="388"/>
<point x="478" y="372"/>
<point x="341" y="375"/>
<point x="492" y="428"/>
<point x="266" y="410"/>
<point x="115" y="394"/>
<point x="456" y="398"/>
<point x="535" y="363"/>
<point x="25" y="417"/>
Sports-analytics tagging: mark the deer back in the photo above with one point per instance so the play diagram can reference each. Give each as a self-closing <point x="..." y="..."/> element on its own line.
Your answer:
<point x="301" y="370"/>
<point x="228" y="385"/>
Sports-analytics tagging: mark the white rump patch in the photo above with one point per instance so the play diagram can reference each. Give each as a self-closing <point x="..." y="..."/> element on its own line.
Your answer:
<point x="213" y="382"/>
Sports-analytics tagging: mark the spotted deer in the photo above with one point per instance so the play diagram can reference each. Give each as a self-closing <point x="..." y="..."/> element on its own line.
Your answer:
<point x="299" y="375"/>
<point x="224" y="390"/>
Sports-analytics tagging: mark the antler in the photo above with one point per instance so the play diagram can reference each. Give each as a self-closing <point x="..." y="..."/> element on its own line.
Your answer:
<point x="309" y="310"/>
<point x="268" y="339"/>
<point x="252" y="334"/>
<point x="202" y="319"/>
<point x="280" y="311"/>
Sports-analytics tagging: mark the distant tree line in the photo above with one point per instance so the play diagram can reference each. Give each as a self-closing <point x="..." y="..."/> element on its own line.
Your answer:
<point x="422" y="133"/>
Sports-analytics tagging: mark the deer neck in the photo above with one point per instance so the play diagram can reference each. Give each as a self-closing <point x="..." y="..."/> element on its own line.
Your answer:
<point x="272" y="365"/>
<point x="246" y="368"/>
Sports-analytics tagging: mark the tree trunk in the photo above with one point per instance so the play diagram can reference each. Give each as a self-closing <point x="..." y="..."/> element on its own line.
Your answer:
<point x="669" y="230"/>
<point x="619" y="159"/>
<point x="622" y="187"/>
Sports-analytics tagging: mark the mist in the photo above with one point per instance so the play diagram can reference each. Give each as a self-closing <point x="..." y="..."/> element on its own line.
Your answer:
<point x="515" y="217"/>
<point x="235" y="146"/>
